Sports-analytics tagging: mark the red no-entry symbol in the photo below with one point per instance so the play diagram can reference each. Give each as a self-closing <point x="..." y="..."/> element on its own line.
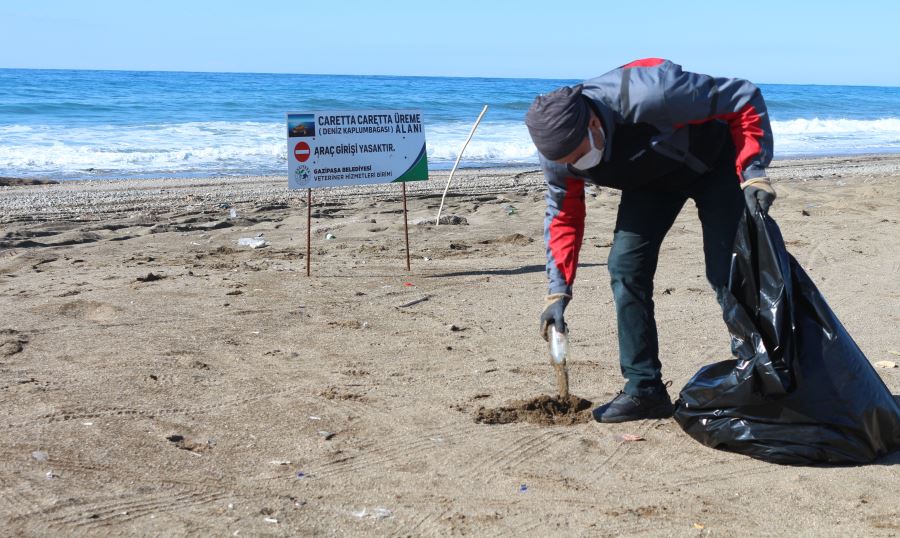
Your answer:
<point x="301" y="151"/>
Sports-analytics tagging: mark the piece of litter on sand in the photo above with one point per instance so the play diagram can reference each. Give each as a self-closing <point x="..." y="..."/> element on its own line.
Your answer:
<point x="39" y="455"/>
<point x="413" y="302"/>
<point x="313" y="417"/>
<point x="270" y="520"/>
<point x="253" y="242"/>
<point x="376" y="513"/>
<point x="87" y="423"/>
<point x="629" y="437"/>
<point x="329" y="236"/>
<point x="326" y="434"/>
<point x="151" y="277"/>
<point x="408" y="284"/>
<point x="280" y="462"/>
<point x="233" y="213"/>
<point x="892" y="352"/>
<point x="51" y="474"/>
<point x="699" y="526"/>
<point x="301" y="474"/>
<point x="523" y="488"/>
<point x="885" y="364"/>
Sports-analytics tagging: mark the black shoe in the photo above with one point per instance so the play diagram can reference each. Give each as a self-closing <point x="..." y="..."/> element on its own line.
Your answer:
<point x="625" y="407"/>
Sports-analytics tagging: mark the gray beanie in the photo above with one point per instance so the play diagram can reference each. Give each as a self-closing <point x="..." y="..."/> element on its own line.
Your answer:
<point x="558" y="121"/>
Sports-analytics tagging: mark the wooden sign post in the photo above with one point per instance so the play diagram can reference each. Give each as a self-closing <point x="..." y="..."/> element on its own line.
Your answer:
<point x="308" y="228"/>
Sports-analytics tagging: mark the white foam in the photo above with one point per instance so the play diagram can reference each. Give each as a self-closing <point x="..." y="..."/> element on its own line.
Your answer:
<point x="836" y="126"/>
<point x="509" y="143"/>
<point x="203" y="148"/>
<point x="493" y="143"/>
<point x="836" y="136"/>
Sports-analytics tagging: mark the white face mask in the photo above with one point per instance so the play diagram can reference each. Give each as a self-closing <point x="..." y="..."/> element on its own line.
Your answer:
<point x="590" y="159"/>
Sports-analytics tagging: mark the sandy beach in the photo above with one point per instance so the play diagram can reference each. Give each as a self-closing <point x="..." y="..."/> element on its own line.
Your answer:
<point x="158" y="378"/>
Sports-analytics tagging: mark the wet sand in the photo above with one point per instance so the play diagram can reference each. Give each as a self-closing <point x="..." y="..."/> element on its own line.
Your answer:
<point x="156" y="378"/>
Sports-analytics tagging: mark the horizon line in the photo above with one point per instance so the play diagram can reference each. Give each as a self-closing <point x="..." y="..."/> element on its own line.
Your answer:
<point x="379" y="75"/>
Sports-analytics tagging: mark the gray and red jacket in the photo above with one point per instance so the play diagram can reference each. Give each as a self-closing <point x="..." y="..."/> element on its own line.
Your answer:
<point x="663" y="127"/>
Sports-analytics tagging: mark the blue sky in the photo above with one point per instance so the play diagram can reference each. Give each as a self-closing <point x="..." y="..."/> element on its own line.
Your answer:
<point x="824" y="42"/>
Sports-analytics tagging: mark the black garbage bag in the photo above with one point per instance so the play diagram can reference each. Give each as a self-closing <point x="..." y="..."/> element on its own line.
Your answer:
<point x="800" y="390"/>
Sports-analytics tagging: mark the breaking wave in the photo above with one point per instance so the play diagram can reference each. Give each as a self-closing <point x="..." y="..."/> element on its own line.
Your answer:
<point x="237" y="148"/>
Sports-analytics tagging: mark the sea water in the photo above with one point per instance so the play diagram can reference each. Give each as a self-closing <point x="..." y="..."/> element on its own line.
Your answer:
<point x="68" y="124"/>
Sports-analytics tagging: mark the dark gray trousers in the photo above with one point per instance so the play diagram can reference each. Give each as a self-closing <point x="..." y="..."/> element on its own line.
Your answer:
<point x="644" y="218"/>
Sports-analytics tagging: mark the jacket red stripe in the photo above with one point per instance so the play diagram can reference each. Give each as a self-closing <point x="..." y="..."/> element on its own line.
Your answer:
<point x="646" y="62"/>
<point x="567" y="230"/>
<point x="746" y="131"/>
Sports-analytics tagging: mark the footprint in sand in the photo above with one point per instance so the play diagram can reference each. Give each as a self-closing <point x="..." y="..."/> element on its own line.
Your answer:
<point x="516" y="239"/>
<point x="88" y="310"/>
<point x="11" y="342"/>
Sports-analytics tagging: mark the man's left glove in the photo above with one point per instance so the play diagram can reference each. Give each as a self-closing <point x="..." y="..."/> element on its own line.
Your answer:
<point x="758" y="191"/>
<point x="553" y="313"/>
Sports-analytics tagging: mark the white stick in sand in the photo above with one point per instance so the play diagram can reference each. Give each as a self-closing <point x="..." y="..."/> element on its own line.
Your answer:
<point x="437" y="221"/>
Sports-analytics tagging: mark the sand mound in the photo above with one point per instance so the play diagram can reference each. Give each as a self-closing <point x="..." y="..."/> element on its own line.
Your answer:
<point x="511" y="239"/>
<point x="543" y="410"/>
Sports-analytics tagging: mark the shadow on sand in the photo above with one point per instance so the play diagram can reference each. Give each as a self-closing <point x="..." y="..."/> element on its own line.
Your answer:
<point x="507" y="272"/>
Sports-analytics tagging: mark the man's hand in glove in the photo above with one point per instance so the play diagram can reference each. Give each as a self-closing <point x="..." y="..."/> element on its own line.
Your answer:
<point x="553" y="314"/>
<point x="758" y="191"/>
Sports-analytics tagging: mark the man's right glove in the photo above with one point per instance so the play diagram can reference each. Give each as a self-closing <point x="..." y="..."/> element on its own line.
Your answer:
<point x="758" y="191"/>
<point x="553" y="313"/>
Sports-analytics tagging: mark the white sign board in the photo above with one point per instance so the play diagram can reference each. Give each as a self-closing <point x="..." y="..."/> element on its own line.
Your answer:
<point x="355" y="147"/>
